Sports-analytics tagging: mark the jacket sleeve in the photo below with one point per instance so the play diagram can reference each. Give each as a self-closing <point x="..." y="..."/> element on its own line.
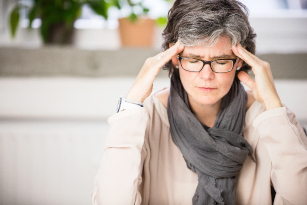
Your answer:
<point x="120" y="169"/>
<point x="286" y="143"/>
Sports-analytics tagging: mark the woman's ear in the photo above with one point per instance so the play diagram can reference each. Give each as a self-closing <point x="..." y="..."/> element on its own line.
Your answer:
<point x="239" y="63"/>
<point x="175" y="60"/>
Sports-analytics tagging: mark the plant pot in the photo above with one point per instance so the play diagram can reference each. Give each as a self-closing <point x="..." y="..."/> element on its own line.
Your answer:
<point x="136" y="34"/>
<point x="60" y="34"/>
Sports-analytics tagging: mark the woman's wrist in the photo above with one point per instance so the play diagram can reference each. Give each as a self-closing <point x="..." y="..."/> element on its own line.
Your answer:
<point x="131" y="96"/>
<point x="273" y="104"/>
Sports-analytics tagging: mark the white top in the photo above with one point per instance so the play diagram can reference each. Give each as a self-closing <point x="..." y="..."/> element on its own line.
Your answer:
<point x="142" y="165"/>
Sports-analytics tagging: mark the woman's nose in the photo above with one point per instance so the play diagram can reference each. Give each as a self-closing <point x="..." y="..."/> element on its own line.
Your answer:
<point x="206" y="73"/>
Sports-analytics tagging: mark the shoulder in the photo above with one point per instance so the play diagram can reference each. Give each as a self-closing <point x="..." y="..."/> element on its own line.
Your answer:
<point x="156" y="107"/>
<point x="162" y="96"/>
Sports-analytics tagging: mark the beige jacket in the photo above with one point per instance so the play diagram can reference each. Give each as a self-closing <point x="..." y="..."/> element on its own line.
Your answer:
<point x="142" y="165"/>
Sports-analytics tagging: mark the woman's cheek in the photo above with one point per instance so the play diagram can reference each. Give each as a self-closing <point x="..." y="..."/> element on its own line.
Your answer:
<point x="228" y="82"/>
<point x="187" y="79"/>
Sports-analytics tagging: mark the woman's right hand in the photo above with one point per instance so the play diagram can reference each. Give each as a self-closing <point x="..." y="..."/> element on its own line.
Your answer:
<point x="142" y="86"/>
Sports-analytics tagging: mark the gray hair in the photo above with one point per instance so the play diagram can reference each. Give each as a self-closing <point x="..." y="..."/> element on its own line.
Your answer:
<point x="203" y="22"/>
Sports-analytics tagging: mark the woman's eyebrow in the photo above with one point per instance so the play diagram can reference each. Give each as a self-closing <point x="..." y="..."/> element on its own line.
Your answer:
<point x="222" y="56"/>
<point x="194" y="55"/>
<point x="212" y="57"/>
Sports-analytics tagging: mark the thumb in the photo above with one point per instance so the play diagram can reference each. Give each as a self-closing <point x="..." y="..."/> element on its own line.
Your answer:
<point x="246" y="79"/>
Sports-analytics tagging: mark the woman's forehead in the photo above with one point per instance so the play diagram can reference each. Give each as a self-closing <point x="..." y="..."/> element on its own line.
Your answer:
<point x="222" y="48"/>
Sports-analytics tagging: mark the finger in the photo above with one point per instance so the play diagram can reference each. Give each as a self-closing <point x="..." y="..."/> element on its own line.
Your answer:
<point x="270" y="74"/>
<point x="257" y="61"/>
<point x="176" y="49"/>
<point x="169" y="49"/>
<point x="249" y="53"/>
<point x="245" y="55"/>
<point x="246" y="79"/>
<point x="160" y="55"/>
<point x="258" y="66"/>
<point x="240" y="47"/>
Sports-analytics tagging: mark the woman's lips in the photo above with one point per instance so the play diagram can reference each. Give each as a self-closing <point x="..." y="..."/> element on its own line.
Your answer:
<point x="206" y="89"/>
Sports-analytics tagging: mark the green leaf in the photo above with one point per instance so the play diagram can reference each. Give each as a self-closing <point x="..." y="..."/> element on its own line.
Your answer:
<point x="34" y="12"/>
<point x="133" y="17"/>
<point x="145" y="10"/>
<point x="100" y="7"/>
<point x="161" y="21"/>
<point x="130" y="3"/>
<point x="14" y="20"/>
<point x="72" y="13"/>
<point x="115" y="3"/>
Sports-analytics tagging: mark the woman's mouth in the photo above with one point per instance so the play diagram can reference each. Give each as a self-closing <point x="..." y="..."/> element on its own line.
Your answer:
<point x="206" y="89"/>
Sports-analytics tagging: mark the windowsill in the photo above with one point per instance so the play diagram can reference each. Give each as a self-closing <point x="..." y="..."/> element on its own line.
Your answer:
<point x="279" y="33"/>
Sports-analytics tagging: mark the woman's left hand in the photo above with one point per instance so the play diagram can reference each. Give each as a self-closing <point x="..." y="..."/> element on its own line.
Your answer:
<point x="263" y="87"/>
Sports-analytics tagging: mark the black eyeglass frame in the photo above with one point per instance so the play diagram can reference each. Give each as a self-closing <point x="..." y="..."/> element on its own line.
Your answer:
<point x="206" y="62"/>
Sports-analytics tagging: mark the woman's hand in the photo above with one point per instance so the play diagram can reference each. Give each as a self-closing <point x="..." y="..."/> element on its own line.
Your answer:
<point x="263" y="87"/>
<point x="142" y="87"/>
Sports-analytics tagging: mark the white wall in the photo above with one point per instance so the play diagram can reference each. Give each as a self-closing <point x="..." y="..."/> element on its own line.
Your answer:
<point x="96" y="98"/>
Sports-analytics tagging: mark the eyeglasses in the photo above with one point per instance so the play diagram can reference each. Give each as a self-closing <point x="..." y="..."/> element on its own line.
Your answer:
<point x="196" y="65"/>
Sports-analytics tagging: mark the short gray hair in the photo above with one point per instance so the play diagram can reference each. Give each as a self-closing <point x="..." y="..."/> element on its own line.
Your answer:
<point x="203" y="22"/>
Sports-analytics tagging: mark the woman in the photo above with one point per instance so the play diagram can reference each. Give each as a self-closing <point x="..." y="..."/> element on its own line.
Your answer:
<point x="204" y="140"/>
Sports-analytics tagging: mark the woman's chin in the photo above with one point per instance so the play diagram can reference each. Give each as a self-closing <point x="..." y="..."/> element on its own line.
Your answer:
<point x="204" y="99"/>
<point x="207" y="101"/>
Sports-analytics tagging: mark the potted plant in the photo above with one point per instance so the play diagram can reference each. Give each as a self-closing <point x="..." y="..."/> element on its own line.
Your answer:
<point x="136" y="29"/>
<point x="57" y="17"/>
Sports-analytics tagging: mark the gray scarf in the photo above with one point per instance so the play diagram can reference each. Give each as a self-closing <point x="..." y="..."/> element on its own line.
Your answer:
<point x="216" y="154"/>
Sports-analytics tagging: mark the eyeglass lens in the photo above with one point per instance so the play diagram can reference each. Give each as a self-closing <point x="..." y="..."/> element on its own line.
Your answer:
<point x="191" y="64"/>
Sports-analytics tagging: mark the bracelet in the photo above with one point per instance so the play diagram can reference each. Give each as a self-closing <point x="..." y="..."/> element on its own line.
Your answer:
<point x="124" y="104"/>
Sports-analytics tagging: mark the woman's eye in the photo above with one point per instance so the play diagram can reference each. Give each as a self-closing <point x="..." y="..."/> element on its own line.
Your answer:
<point x="193" y="61"/>
<point x="222" y="62"/>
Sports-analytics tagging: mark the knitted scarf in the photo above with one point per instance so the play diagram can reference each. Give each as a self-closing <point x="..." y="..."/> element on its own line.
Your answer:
<point x="216" y="154"/>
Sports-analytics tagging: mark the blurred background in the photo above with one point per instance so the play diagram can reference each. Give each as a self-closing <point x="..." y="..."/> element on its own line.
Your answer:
<point x="65" y="63"/>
